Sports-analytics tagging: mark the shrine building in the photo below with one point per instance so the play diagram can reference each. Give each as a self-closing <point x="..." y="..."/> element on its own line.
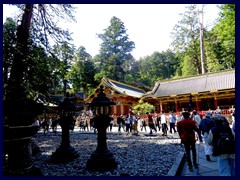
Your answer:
<point x="204" y="92"/>
<point x="125" y="96"/>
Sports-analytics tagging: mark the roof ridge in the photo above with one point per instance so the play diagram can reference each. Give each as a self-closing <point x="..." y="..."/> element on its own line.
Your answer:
<point x="123" y="84"/>
<point x="196" y="76"/>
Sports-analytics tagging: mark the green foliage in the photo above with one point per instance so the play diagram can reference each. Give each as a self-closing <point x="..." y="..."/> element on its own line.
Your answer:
<point x="9" y="44"/>
<point x="155" y="67"/>
<point x="64" y="53"/>
<point x="186" y="30"/>
<point x="186" y="40"/>
<point x="188" y="68"/>
<point x="38" y="74"/>
<point x="143" y="108"/>
<point x="225" y="32"/>
<point x="82" y="72"/>
<point x="47" y="69"/>
<point x="114" y="58"/>
<point x="213" y="53"/>
<point x="35" y="65"/>
<point x="219" y="43"/>
<point x="27" y="69"/>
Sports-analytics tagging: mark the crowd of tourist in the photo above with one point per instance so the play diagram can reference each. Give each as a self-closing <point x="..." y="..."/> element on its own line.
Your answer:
<point x="191" y="127"/>
<point x="130" y="123"/>
<point x="219" y="139"/>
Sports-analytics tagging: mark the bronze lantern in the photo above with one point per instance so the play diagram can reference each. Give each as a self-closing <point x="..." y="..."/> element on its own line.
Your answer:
<point x="65" y="152"/>
<point x="101" y="159"/>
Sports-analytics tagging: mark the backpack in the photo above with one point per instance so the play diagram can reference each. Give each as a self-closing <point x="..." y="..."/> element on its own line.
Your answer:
<point x="226" y="143"/>
<point x="207" y="125"/>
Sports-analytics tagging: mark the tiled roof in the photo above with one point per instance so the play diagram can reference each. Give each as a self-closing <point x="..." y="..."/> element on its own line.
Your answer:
<point x="201" y="83"/>
<point x="123" y="88"/>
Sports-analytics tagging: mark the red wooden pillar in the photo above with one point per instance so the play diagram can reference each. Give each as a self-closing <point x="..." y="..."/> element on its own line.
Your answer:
<point x="113" y="110"/>
<point x="215" y="101"/>
<point x="160" y="105"/>
<point x="119" y="110"/>
<point x="176" y="105"/>
<point x="197" y="105"/>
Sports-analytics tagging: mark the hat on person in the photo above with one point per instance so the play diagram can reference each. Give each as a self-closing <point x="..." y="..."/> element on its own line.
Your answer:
<point x="208" y="114"/>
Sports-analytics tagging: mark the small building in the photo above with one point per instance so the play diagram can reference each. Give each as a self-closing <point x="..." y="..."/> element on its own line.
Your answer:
<point x="203" y="92"/>
<point x="125" y="96"/>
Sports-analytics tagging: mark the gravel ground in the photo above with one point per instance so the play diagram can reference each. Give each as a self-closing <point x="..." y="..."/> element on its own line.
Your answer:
<point x="141" y="155"/>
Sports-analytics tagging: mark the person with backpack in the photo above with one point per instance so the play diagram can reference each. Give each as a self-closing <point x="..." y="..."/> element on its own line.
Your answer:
<point x="222" y="138"/>
<point x="205" y="125"/>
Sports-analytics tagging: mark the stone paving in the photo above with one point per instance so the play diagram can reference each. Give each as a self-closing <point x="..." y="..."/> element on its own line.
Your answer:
<point x="206" y="168"/>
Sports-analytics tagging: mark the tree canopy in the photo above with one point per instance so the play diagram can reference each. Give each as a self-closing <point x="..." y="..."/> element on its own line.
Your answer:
<point x="58" y="68"/>
<point x="115" y="52"/>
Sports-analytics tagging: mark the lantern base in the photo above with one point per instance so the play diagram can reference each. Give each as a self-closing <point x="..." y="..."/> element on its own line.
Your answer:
<point x="101" y="161"/>
<point x="64" y="154"/>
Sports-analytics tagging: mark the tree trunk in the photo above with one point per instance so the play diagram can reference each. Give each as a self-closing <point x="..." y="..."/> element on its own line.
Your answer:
<point x="202" y="44"/>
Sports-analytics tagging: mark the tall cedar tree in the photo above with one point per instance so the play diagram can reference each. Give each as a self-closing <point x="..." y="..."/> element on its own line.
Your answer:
<point x="115" y="57"/>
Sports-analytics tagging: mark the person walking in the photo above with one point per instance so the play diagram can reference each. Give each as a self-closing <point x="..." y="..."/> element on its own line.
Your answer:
<point x="111" y="123"/>
<point x="143" y="124"/>
<point x="222" y="138"/>
<point x="164" y="124"/>
<point x="120" y="122"/>
<point x="135" y="124"/>
<point x="172" y="121"/>
<point x="186" y="130"/>
<point x="131" y="116"/>
<point x="127" y="124"/>
<point x="197" y="119"/>
<point x="150" y="123"/>
<point x="205" y="125"/>
<point x="158" y="122"/>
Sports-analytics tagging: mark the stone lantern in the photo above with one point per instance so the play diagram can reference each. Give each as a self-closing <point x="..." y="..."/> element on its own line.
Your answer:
<point x="65" y="152"/>
<point x="101" y="159"/>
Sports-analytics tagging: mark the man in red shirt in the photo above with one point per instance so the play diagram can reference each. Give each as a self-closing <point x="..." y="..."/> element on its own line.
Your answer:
<point x="186" y="129"/>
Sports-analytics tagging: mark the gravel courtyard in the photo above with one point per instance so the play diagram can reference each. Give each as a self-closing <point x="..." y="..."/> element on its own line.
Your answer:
<point x="141" y="155"/>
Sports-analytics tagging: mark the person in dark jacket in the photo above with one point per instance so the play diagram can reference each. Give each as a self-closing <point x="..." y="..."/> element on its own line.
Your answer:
<point x="205" y="125"/>
<point x="226" y="159"/>
<point x="151" y="123"/>
<point x="186" y="130"/>
<point x="120" y="122"/>
<point x="158" y="122"/>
